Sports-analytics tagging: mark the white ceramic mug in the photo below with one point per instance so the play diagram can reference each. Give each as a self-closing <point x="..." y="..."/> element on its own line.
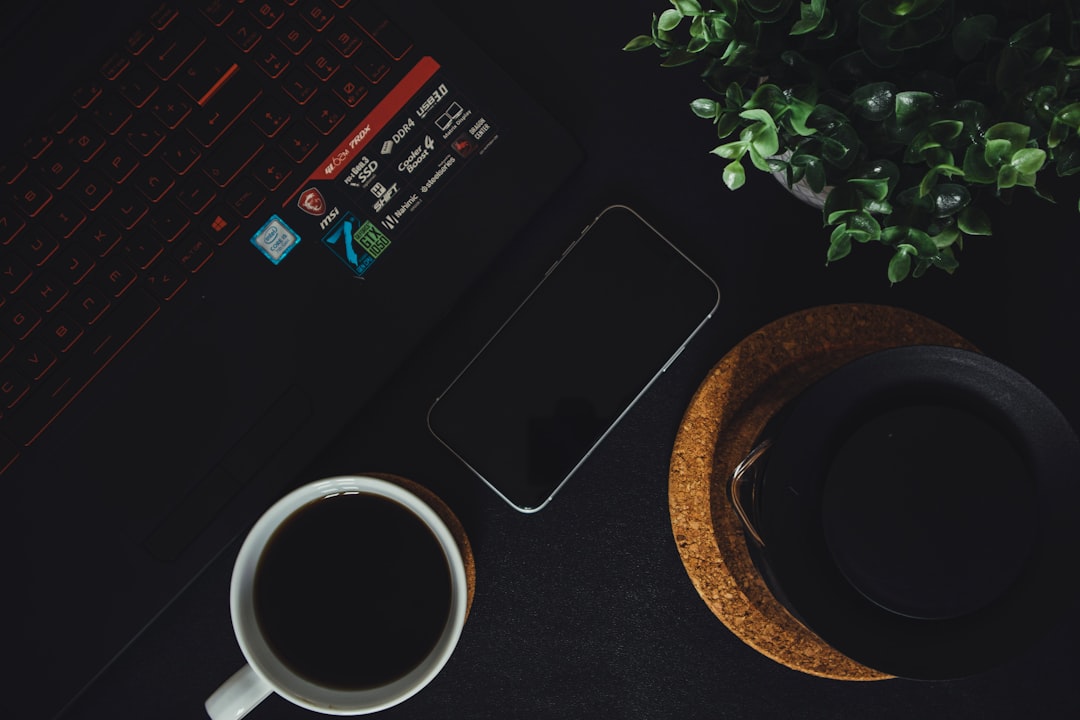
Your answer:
<point x="265" y="673"/>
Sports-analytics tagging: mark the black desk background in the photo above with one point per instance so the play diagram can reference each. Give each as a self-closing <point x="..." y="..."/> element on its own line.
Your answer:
<point x="584" y="609"/>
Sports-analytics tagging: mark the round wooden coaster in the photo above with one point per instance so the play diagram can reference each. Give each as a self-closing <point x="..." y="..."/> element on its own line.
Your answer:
<point x="447" y="515"/>
<point x="724" y="418"/>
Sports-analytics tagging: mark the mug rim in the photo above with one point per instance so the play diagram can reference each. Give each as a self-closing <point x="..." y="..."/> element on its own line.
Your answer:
<point x="278" y="676"/>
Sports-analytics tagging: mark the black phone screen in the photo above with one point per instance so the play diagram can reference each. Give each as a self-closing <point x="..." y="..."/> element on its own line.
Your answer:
<point x="598" y="329"/>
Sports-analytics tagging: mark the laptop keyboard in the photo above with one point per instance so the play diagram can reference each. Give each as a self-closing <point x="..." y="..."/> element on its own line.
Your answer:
<point x="130" y="189"/>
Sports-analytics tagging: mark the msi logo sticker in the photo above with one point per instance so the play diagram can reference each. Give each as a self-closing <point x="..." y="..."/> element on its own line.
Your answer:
<point x="311" y="201"/>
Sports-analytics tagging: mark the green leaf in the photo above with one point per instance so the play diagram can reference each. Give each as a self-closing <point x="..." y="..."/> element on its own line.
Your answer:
<point x="945" y="131"/>
<point x="698" y="29"/>
<point x="875" y="101"/>
<point x="864" y="224"/>
<point x="1070" y="115"/>
<point x="677" y="58"/>
<point x="730" y="8"/>
<point x="973" y="221"/>
<point x="734" y="95"/>
<point x="930" y="179"/>
<point x="813" y="170"/>
<point x="949" y="199"/>
<point x="973" y="114"/>
<point x="912" y="105"/>
<point x="696" y="45"/>
<point x="920" y="243"/>
<point x="945" y="238"/>
<point x="727" y="124"/>
<point x="766" y="141"/>
<point x="893" y="234"/>
<point x="796" y="116"/>
<point x="669" y="20"/>
<point x="705" y="108"/>
<point x="840" y="246"/>
<point x="810" y="16"/>
<point x="872" y="188"/>
<point x="946" y="260"/>
<point x="720" y="29"/>
<point x="638" y="43"/>
<point x="1033" y="34"/>
<point x="734" y="175"/>
<point x="899" y="266"/>
<point x="1016" y="133"/>
<point x="767" y="10"/>
<point x="1028" y="161"/>
<point x="971" y="34"/>
<point x="1059" y="132"/>
<point x="759" y="115"/>
<point x="1008" y="177"/>
<point x="1067" y="160"/>
<point x="997" y="151"/>
<point x="689" y="8"/>
<point x="732" y="150"/>
<point x="976" y="169"/>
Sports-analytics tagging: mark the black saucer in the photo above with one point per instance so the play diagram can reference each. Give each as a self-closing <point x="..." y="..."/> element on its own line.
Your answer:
<point x="919" y="511"/>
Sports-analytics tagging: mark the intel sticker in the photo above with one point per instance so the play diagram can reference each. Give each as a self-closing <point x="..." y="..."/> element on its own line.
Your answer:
<point x="275" y="239"/>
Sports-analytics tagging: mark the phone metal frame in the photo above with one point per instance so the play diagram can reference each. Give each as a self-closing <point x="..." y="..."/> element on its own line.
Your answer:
<point x="618" y="419"/>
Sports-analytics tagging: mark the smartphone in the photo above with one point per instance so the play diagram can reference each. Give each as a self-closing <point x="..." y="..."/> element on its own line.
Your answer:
<point x="604" y="322"/>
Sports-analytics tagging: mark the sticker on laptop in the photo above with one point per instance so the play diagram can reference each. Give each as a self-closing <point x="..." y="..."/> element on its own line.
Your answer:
<point x="312" y="202"/>
<point x="385" y="171"/>
<point x="357" y="243"/>
<point x="275" y="239"/>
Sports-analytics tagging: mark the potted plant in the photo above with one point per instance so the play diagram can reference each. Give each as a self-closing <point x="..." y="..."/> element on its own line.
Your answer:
<point x="912" y="115"/>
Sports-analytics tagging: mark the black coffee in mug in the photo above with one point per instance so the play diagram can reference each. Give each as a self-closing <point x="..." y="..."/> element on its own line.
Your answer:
<point x="352" y="591"/>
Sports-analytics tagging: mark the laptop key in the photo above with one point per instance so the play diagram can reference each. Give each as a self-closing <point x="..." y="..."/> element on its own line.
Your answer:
<point x="34" y="360"/>
<point x="169" y="220"/>
<point x="170" y="107"/>
<point x="294" y="36"/>
<point x="244" y="32"/>
<point x="118" y="161"/>
<point x="232" y="156"/>
<point x="110" y="113"/>
<point x="62" y="333"/>
<point x="165" y="279"/>
<point x="30" y="196"/>
<point x="218" y="225"/>
<point x="193" y="252"/>
<point x="84" y="140"/>
<point x="172" y="48"/>
<point x="300" y="85"/>
<point x="381" y="29"/>
<point x="127" y="207"/>
<point x="216" y="11"/>
<point x="63" y="217"/>
<point x="137" y="86"/>
<point x="58" y="168"/>
<point x="316" y="14"/>
<point x="196" y="193"/>
<point x="11" y="224"/>
<point x="13" y="387"/>
<point x="36" y="247"/>
<point x="219" y="113"/>
<point x="87" y="359"/>
<point x="91" y="188"/>
<point x="11" y="168"/>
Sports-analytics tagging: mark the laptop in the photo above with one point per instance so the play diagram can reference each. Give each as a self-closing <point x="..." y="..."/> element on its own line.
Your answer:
<point x="223" y="225"/>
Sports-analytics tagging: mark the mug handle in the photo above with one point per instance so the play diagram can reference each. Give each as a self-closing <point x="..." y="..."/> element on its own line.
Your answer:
<point x="238" y="695"/>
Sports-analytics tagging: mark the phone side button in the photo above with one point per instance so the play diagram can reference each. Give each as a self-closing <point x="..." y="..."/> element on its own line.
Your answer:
<point x="673" y="358"/>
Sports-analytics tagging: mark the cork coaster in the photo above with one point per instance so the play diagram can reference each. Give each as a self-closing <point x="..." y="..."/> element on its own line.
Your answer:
<point x="724" y="418"/>
<point x="447" y="515"/>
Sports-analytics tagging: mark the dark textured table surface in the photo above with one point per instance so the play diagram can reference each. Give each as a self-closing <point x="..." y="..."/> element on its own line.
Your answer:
<point x="585" y="609"/>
